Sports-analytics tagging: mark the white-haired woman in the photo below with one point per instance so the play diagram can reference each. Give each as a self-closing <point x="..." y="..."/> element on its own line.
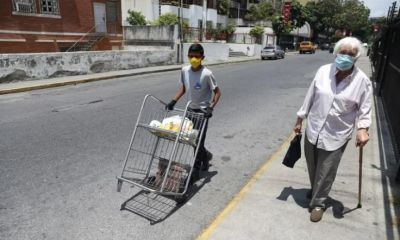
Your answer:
<point x="339" y="94"/>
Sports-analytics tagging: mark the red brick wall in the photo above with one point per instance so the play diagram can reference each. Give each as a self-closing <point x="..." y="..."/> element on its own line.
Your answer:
<point x="77" y="16"/>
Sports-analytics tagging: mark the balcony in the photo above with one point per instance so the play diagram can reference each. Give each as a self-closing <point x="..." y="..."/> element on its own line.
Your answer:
<point x="186" y="3"/>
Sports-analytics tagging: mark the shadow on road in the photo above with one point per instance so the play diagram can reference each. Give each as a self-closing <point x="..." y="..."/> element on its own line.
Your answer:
<point x="157" y="208"/>
<point x="299" y="196"/>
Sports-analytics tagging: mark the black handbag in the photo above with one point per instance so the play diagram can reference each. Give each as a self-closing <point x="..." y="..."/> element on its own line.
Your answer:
<point x="294" y="152"/>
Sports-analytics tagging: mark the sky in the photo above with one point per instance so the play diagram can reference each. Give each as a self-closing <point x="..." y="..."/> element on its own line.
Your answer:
<point x="379" y="8"/>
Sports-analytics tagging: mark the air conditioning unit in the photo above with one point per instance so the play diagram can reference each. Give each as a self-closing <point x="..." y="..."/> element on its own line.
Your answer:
<point x="24" y="7"/>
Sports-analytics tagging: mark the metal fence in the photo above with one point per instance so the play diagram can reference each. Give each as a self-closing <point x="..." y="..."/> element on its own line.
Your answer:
<point x="386" y="61"/>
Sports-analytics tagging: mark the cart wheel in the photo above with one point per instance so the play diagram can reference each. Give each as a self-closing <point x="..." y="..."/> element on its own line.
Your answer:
<point x="181" y="199"/>
<point x="119" y="186"/>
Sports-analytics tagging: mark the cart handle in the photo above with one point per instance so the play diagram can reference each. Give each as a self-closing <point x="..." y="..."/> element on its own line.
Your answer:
<point x="187" y="105"/>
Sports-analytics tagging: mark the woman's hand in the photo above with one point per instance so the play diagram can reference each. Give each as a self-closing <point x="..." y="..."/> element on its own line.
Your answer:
<point x="297" y="127"/>
<point x="362" y="137"/>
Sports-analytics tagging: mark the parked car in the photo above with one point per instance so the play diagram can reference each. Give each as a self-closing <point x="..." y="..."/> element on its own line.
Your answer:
<point x="273" y="52"/>
<point x="307" y="47"/>
<point x="332" y="47"/>
<point x="325" y="46"/>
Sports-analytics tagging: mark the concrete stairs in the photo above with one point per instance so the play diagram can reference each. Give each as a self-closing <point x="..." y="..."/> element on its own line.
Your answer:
<point x="236" y="54"/>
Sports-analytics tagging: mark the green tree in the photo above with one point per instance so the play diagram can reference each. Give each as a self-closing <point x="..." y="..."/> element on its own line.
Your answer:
<point x="136" y="18"/>
<point x="168" y="18"/>
<point x="279" y="27"/>
<point x="223" y="7"/>
<point x="298" y="15"/>
<point x="257" y="32"/>
<point x="354" y="16"/>
<point x="229" y="31"/>
<point x="261" y="11"/>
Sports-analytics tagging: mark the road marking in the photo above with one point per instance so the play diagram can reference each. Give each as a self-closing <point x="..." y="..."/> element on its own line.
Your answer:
<point x="239" y="197"/>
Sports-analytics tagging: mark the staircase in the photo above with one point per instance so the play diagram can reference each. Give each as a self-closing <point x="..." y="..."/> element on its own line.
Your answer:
<point x="95" y="35"/>
<point x="92" y="41"/>
<point x="236" y="54"/>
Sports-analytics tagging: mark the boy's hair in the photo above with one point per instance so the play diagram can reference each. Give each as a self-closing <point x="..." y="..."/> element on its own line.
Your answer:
<point x="196" y="48"/>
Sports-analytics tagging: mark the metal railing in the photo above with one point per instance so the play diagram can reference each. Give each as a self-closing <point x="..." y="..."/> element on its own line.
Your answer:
<point x="24" y="6"/>
<point x="101" y="29"/>
<point x="386" y="61"/>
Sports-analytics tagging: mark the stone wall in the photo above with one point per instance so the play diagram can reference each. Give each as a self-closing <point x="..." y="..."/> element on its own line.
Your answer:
<point x="156" y="36"/>
<point x="19" y="67"/>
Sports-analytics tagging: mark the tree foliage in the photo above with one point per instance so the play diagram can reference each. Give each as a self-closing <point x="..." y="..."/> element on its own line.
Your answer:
<point x="279" y="27"/>
<point x="298" y="15"/>
<point x="223" y="7"/>
<point x="261" y="11"/>
<point x="257" y="32"/>
<point x="168" y="18"/>
<point x="136" y="18"/>
<point x="354" y="16"/>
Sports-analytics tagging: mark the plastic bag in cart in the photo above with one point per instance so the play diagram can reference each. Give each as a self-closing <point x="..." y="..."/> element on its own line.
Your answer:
<point x="173" y="123"/>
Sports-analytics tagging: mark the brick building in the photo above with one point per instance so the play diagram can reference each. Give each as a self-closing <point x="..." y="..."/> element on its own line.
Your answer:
<point x="30" y="26"/>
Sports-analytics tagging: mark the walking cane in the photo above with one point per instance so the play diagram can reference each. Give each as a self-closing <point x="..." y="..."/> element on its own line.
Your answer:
<point x="360" y="177"/>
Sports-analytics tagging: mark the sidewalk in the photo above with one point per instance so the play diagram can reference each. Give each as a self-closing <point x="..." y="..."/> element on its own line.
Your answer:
<point x="273" y="205"/>
<point x="29" y="85"/>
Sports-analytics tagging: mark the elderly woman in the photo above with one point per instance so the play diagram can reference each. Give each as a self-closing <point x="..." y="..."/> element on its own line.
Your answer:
<point x="339" y="94"/>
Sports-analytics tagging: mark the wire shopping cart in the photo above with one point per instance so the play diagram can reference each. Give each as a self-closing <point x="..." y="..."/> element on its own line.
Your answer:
<point x="161" y="160"/>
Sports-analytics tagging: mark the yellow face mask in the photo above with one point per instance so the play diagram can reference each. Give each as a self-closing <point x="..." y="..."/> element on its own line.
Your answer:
<point x="195" y="62"/>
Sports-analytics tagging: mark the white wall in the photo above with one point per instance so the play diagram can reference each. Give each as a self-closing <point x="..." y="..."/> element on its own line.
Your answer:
<point x="174" y="9"/>
<point x="196" y="14"/>
<point x="222" y="19"/>
<point x="255" y="50"/>
<point x="212" y="51"/>
<point x="149" y="8"/>
<point x="212" y="15"/>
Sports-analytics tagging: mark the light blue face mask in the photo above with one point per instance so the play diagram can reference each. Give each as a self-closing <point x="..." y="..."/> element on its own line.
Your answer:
<point x="344" y="62"/>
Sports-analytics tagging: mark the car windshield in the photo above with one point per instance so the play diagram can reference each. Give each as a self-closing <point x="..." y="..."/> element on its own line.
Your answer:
<point x="268" y="48"/>
<point x="305" y="43"/>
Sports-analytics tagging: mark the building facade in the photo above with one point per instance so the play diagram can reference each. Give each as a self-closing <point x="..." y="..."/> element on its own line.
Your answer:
<point x="32" y="26"/>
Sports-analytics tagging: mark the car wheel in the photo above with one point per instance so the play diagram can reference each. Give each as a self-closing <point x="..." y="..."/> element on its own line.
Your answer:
<point x="262" y="58"/>
<point x="283" y="55"/>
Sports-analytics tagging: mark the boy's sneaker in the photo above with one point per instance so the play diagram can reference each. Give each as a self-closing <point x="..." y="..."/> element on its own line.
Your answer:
<point x="206" y="163"/>
<point x="195" y="177"/>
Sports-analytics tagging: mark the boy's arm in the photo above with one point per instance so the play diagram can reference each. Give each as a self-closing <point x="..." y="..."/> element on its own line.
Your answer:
<point x="180" y="93"/>
<point x="217" y="95"/>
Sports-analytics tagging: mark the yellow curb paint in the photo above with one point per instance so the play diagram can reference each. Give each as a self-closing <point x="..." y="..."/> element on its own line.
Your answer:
<point x="240" y="196"/>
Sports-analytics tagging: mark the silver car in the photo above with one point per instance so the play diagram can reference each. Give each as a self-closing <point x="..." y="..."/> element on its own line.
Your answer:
<point x="273" y="52"/>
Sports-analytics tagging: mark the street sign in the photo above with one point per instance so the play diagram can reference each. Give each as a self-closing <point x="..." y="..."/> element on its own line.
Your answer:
<point x="286" y="12"/>
<point x="376" y="28"/>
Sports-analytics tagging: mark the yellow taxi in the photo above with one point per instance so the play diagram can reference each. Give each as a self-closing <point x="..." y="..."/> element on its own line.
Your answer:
<point x="307" y="47"/>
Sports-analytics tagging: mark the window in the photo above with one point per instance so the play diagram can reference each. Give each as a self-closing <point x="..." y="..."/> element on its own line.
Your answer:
<point x="112" y="11"/>
<point x="24" y="6"/>
<point x="49" y="7"/>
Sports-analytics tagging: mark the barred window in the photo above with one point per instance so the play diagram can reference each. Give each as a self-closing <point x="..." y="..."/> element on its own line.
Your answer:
<point x="49" y="7"/>
<point x="24" y="6"/>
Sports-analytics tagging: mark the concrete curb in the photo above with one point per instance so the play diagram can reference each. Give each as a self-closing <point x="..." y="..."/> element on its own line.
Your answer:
<point x="87" y="80"/>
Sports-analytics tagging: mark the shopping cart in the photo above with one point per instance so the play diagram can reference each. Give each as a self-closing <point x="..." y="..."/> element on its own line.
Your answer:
<point x="159" y="160"/>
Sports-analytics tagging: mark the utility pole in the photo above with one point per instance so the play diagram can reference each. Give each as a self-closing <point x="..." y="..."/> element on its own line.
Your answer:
<point x="181" y="15"/>
<point x="204" y="19"/>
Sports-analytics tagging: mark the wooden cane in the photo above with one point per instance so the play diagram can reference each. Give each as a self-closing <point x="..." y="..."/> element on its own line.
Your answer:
<point x="360" y="177"/>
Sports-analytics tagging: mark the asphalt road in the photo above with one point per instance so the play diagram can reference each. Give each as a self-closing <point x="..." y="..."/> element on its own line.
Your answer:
<point x="61" y="149"/>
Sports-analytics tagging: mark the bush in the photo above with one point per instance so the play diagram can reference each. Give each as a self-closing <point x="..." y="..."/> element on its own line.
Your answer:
<point x="168" y="18"/>
<point x="136" y="18"/>
<point x="257" y="32"/>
